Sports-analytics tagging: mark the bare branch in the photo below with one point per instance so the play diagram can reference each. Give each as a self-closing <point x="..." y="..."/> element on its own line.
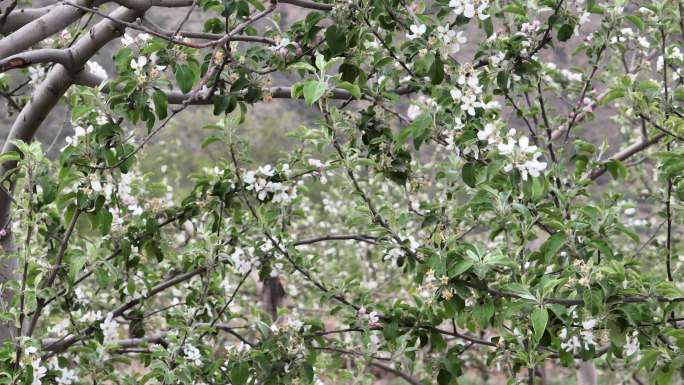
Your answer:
<point x="205" y="35"/>
<point x="626" y="153"/>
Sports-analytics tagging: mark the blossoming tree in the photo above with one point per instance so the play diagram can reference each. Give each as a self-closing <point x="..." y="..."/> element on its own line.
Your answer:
<point x="412" y="233"/>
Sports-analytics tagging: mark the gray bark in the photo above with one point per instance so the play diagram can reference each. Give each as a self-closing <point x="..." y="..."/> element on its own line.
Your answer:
<point x="54" y="21"/>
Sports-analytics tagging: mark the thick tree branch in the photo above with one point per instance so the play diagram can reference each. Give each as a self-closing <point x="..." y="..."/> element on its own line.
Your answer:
<point x="20" y="17"/>
<point x="46" y="55"/>
<point x="58" y="18"/>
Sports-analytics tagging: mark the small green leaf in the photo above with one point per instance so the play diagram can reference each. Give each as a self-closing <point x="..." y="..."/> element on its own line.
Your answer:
<point x="636" y="20"/>
<point x="552" y="245"/>
<point x="185" y="77"/>
<point x="460" y="268"/>
<point x="616" y="169"/>
<point x="335" y="36"/>
<point x="612" y="95"/>
<point x="565" y="32"/>
<point x="314" y="90"/>
<point x="239" y="374"/>
<point x="540" y="316"/>
<point x="469" y="174"/>
<point x="436" y="71"/>
<point x="161" y="103"/>
<point x="352" y="88"/>
<point x="300" y="65"/>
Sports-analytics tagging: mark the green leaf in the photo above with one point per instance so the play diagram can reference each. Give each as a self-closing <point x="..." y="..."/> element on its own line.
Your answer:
<point x="565" y="32"/>
<point x="616" y="168"/>
<point x="314" y="90"/>
<point x="484" y="312"/>
<point x="552" y="245"/>
<point x="185" y="77"/>
<point x="161" y="103"/>
<point x="469" y="174"/>
<point x="335" y="36"/>
<point x="460" y="268"/>
<point x="9" y="156"/>
<point x="520" y="290"/>
<point x="352" y="88"/>
<point x="636" y="20"/>
<point x="209" y="140"/>
<point x="515" y="9"/>
<point x="300" y="65"/>
<point x="612" y="95"/>
<point x="220" y="104"/>
<point x="436" y="71"/>
<point x="540" y="317"/>
<point x="239" y="373"/>
<point x="488" y="26"/>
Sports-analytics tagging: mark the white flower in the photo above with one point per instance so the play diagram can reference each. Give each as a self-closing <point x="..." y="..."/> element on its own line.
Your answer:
<point x="192" y="354"/>
<point x="589" y="324"/>
<point x="463" y="7"/>
<point x="533" y="168"/>
<point x="320" y="166"/>
<point x="506" y="148"/>
<point x="489" y="130"/>
<point x="283" y="43"/>
<point x="96" y="69"/>
<point x="416" y="31"/>
<point x="413" y="112"/>
<point x="144" y="37"/>
<point x="584" y="18"/>
<point x="95" y="182"/>
<point x="138" y="64"/>
<point x="38" y="370"/>
<point x="373" y="317"/>
<point x="632" y="345"/>
<point x="36" y="74"/>
<point x="127" y="40"/>
<point x="67" y="377"/>
<point x="109" y="328"/>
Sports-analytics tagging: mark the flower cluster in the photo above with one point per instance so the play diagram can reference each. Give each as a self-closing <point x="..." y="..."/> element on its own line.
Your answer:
<point x="79" y="132"/>
<point x="265" y="184"/>
<point x="371" y="318"/>
<point x="469" y="8"/>
<point x="450" y="40"/>
<point x="469" y="94"/>
<point x="429" y="287"/>
<point x="522" y="156"/>
<point x="416" y="31"/>
<point x="584" y="340"/>
<point x="518" y="151"/>
<point x="244" y="261"/>
<point x="192" y="354"/>
<point x="141" y="39"/>
<point x="146" y="68"/>
<point x="109" y="328"/>
<point x="96" y="69"/>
